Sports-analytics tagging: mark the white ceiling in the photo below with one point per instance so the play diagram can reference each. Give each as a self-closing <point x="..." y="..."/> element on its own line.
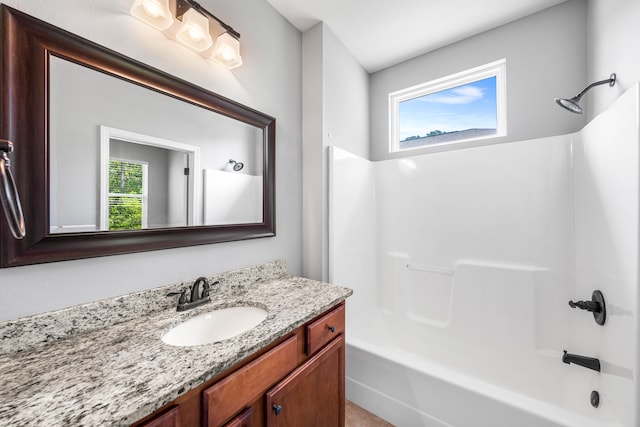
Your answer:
<point x="381" y="33"/>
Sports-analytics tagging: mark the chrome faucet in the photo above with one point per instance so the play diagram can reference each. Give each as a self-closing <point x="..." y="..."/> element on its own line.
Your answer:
<point x="197" y="298"/>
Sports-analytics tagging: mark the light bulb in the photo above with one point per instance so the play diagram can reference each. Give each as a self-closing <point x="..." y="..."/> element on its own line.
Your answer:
<point x="194" y="32"/>
<point x="153" y="12"/>
<point x="152" y="9"/>
<point x="227" y="51"/>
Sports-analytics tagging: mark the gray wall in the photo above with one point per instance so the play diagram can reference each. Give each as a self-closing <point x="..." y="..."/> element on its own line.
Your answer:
<point x="336" y="112"/>
<point x="546" y="58"/>
<point x="269" y="81"/>
<point x="613" y="47"/>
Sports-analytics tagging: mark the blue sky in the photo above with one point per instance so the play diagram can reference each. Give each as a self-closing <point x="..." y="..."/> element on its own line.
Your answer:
<point x="463" y="107"/>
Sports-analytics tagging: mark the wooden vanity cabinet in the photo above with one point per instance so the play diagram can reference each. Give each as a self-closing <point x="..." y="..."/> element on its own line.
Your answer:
<point x="296" y="381"/>
<point x="313" y="394"/>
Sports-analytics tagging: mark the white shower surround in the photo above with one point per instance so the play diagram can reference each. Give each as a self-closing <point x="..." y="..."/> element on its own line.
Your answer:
<point x="462" y="263"/>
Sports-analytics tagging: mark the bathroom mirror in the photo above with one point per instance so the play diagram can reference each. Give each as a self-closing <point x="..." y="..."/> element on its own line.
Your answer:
<point x="113" y="156"/>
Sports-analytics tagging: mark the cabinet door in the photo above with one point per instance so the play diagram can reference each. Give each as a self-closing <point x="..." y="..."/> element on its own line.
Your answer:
<point x="242" y="420"/>
<point x="229" y="395"/>
<point x="313" y="394"/>
<point x="170" y="418"/>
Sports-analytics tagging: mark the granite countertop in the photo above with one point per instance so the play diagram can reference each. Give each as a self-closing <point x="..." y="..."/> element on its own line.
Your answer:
<point x="118" y="373"/>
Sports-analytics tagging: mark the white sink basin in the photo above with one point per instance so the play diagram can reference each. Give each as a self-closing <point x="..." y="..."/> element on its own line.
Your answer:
<point x="216" y="325"/>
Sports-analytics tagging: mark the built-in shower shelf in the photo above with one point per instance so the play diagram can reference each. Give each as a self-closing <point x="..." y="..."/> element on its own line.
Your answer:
<point x="431" y="269"/>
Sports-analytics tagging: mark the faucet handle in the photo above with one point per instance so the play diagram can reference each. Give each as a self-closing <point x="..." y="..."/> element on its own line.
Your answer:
<point x="206" y="289"/>
<point x="595" y="306"/>
<point x="591" y="306"/>
<point x="183" y="295"/>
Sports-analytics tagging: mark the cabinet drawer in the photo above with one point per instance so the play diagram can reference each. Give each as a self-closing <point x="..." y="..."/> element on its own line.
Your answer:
<point x="325" y="329"/>
<point x="230" y="395"/>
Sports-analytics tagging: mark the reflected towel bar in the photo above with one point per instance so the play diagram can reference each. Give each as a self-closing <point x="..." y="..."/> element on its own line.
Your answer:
<point x="9" y="194"/>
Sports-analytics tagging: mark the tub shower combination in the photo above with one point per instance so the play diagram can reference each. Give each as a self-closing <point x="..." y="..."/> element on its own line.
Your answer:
<point x="474" y="274"/>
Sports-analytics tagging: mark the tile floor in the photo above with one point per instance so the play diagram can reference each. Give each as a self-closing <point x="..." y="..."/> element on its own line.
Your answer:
<point x="355" y="416"/>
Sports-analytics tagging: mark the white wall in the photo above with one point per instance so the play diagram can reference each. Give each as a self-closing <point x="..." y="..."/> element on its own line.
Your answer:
<point x="546" y="58"/>
<point x="613" y="34"/>
<point x="606" y="181"/>
<point x="268" y="81"/>
<point x="499" y="211"/>
<point x="336" y="112"/>
<point x="456" y="233"/>
<point x="352" y="226"/>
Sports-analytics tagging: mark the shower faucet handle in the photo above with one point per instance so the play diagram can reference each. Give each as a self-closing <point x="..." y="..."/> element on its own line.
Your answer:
<point x="595" y="306"/>
<point x="591" y="306"/>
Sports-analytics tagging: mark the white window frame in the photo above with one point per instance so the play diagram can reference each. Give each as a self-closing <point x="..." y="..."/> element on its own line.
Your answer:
<point x="495" y="69"/>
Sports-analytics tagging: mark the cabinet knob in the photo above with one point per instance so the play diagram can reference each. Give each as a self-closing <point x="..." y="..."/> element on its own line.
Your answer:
<point x="277" y="409"/>
<point x="332" y="328"/>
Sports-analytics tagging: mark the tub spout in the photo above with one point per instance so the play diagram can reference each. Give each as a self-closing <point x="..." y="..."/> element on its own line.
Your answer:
<point x="587" y="362"/>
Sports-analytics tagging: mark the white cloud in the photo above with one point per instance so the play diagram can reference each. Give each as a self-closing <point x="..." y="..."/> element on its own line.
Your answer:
<point x="459" y="95"/>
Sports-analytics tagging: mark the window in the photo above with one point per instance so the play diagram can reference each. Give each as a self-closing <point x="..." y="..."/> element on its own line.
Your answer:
<point x="463" y="107"/>
<point x="169" y="197"/>
<point x="127" y="195"/>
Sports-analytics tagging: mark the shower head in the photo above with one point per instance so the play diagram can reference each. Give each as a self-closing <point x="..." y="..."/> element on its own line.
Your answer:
<point x="573" y="105"/>
<point x="570" y="104"/>
<point x="237" y="166"/>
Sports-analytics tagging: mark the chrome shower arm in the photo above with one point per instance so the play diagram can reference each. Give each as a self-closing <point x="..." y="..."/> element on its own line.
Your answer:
<point x="611" y="81"/>
<point x="572" y="104"/>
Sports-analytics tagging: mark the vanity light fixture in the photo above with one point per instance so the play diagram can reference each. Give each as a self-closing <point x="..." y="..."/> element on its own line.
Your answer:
<point x="194" y="27"/>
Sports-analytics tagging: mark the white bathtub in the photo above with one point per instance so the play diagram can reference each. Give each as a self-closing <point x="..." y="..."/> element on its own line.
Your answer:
<point x="410" y="390"/>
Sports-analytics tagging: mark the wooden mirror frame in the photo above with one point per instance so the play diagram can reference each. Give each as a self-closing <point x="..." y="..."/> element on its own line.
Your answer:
<point x="27" y="44"/>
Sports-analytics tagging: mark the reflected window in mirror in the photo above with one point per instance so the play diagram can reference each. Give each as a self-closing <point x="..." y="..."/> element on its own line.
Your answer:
<point x="128" y="194"/>
<point x="172" y="199"/>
